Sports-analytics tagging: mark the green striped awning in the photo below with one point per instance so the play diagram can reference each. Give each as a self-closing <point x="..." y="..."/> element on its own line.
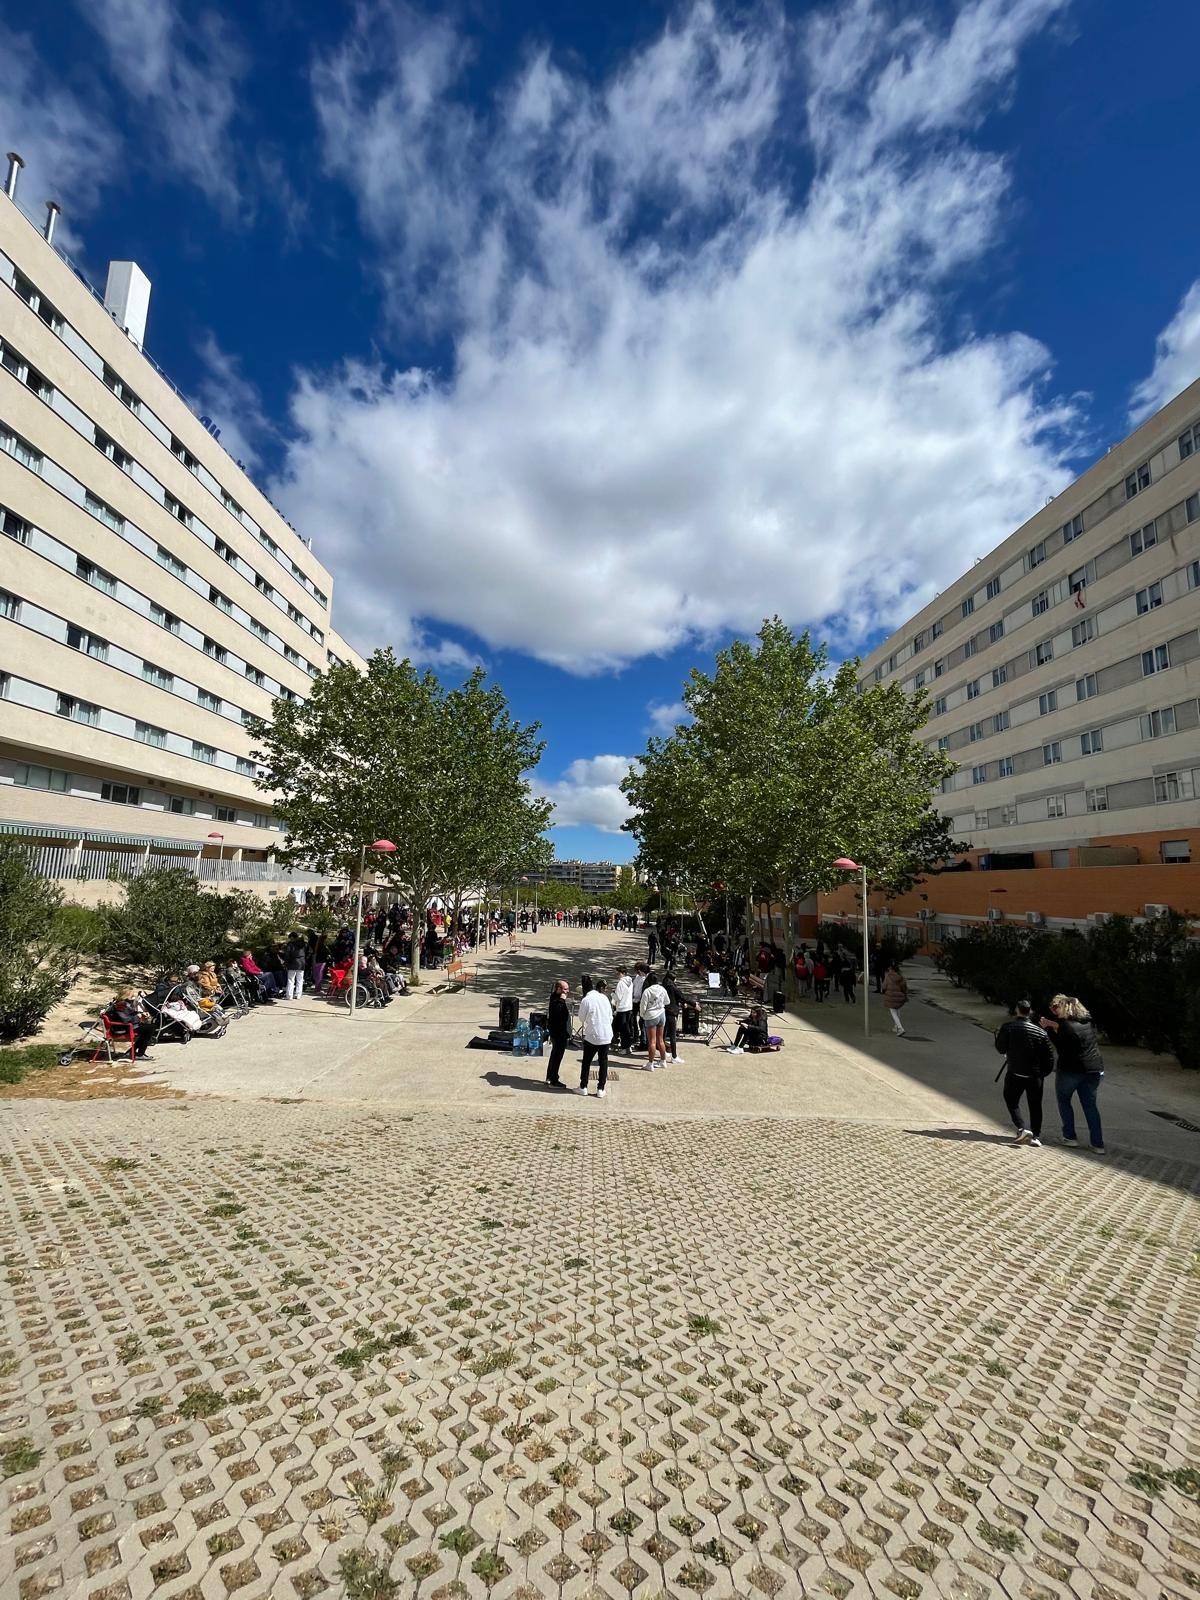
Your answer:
<point x="36" y="832"/>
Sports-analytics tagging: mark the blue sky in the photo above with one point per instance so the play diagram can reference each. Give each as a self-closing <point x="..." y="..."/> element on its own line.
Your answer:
<point x="580" y="338"/>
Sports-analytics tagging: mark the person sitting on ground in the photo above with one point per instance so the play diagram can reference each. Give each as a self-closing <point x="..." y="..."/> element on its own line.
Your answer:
<point x="128" y="1011"/>
<point x="752" y="1033"/>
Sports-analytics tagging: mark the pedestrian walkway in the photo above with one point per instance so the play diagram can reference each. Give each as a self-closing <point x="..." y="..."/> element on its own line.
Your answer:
<point x="384" y="1317"/>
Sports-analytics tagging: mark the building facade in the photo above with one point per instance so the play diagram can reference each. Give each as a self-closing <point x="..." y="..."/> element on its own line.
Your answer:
<point x="1063" y="673"/>
<point x="594" y="877"/>
<point x="151" y="598"/>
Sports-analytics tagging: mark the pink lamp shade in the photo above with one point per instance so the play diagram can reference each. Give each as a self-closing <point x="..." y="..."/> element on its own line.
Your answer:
<point x="846" y="865"/>
<point x="382" y="844"/>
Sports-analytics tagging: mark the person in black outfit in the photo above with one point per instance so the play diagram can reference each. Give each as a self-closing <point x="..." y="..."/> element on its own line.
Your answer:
<point x="652" y="944"/>
<point x="1028" y="1059"/>
<point x="1080" y="1066"/>
<point x="559" y="1029"/>
<point x="674" y="1010"/>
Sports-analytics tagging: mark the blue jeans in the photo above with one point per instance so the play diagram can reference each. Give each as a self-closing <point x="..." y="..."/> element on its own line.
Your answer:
<point x="1086" y="1085"/>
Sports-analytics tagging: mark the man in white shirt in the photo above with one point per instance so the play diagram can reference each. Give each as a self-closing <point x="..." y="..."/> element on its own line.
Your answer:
<point x="595" y="1018"/>
<point x="623" y="1011"/>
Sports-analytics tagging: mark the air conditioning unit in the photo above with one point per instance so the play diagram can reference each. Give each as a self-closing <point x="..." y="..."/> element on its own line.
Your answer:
<point x="1097" y="919"/>
<point x="925" y="913"/>
<point x="1036" y="919"/>
<point x="1152" y="913"/>
<point x="995" y="914"/>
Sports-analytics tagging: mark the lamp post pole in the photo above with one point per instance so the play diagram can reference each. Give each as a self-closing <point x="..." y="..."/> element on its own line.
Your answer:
<point x="383" y="845"/>
<point x="844" y="864"/>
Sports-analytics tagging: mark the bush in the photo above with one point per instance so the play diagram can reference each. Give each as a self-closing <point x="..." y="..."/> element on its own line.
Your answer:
<point x="37" y="964"/>
<point x="167" y="920"/>
<point x="82" y="928"/>
<point x="1139" y="980"/>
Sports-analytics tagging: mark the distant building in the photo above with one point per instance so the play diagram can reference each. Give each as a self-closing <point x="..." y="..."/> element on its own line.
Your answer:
<point x="593" y="877"/>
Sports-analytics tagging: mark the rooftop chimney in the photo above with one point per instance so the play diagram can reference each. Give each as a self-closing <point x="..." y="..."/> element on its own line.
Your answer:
<point x="15" y="163"/>
<point x="127" y="298"/>
<point x="52" y="213"/>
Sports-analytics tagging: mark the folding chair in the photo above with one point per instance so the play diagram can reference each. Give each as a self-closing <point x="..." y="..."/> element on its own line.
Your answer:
<point x="122" y="1033"/>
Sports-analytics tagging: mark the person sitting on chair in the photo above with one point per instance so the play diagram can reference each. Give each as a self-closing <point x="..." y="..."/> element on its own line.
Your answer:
<point x="127" y="1011"/>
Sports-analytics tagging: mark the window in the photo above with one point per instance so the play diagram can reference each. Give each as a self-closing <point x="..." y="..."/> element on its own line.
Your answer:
<point x="877" y="674"/>
<point x="999" y="676"/>
<point x="246" y="767"/>
<point x="1078" y="580"/>
<point x="1038" y="554"/>
<point x="203" y="752"/>
<point x="935" y="631"/>
<point x="15" y="527"/>
<point x="165" y="619"/>
<point x="1137" y="480"/>
<point x="1086" y="688"/>
<point x="1143" y="539"/>
<point x="1000" y="722"/>
<point x="147" y="733"/>
<point x="78" y="710"/>
<point x="977" y="732"/>
<point x="919" y="681"/>
<point x="981" y="819"/>
<point x="103" y="513"/>
<point x="1041" y="603"/>
<point x="1008" y="815"/>
<point x="996" y="631"/>
<point x="1051" y="754"/>
<point x="291" y="655"/>
<point x="1056" y="805"/>
<point x="21" y="449"/>
<point x="96" y="576"/>
<point x="122" y="390"/>
<point x="1149" y="599"/>
<point x="182" y="453"/>
<point x="261" y="584"/>
<point x="943" y="742"/>
<point x="1192" y="507"/>
<point x="10" y="606"/>
<point x="217" y="651"/>
<point x="254" y="675"/>
<point x="180" y="806"/>
<point x="27" y="777"/>
<point x="1048" y="702"/>
<point x="1083" y="632"/>
<point x="1097" y="799"/>
<point x="1158" y="724"/>
<point x="1173" y="851"/>
<point x="230" y="503"/>
<point x="973" y="689"/>
<point x="81" y="639"/>
<point x="1092" y="743"/>
<point x="1044" y="653"/>
<point x="158" y="676"/>
<point x="121" y="794"/>
<point x="42" y="387"/>
<point x="260" y="632"/>
<point x="968" y="605"/>
<point x="1072" y="530"/>
<point x="267" y="542"/>
<point x="207" y="700"/>
<point x="112" y="450"/>
<point x="969" y="648"/>
<point x="1193" y="571"/>
<point x="225" y="553"/>
<point x="918" y="643"/>
<point x="1156" y="660"/>
<point x="1004" y="767"/>
<point x="177" y="509"/>
<point x="226" y="814"/>
<point x="297" y="616"/>
<point x="1174" y="786"/>
<point x="221" y="601"/>
<point x="171" y="562"/>
<point x="1189" y="441"/>
<point x="261" y="819"/>
<point x="939" y="706"/>
<point x="993" y="588"/>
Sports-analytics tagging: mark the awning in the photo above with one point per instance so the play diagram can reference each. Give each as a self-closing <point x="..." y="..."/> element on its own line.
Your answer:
<point x="36" y="831"/>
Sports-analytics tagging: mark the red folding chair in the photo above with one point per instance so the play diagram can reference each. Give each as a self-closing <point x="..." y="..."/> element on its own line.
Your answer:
<point x="122" y="1033"/>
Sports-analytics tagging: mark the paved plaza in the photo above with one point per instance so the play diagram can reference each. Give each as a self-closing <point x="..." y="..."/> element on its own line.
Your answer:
<point x="348" y="1309"/>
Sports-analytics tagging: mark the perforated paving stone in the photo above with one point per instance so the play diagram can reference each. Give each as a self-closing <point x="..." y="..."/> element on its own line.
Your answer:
<point x="269" y="1351"/>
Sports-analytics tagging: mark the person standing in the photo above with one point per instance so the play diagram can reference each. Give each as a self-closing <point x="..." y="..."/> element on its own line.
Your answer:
<point x="1080" y="1066"/>
<point x="848" y="976"/>
<point x="558" y="1026"/>
<point x="294" y="954"/>
<point x="1028" y="1059"/>
<point x="623" y="1011"/>
<point x="895" y="997"/>
<point x="651" y="943"/>
<point x="653" y="1009"/>
<point x="638" y="1040"/>
<point x="595" y="1019"/>
<point x="674" y="1010"/>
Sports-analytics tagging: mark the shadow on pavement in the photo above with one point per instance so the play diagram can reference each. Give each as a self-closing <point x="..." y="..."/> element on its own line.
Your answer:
<point x="509" y="1080"/>
<point x="962" y="1135"/>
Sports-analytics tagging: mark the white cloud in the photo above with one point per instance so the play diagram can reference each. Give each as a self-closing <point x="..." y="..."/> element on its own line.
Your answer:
<point x="1176" y="359"/>
<point x="185" y="72"/>
<point x="682" y="396"/>
<point x="662" y="717"/>
<point x="234" y="403"/>
<point x="588" y="795"/>
<point x="69" y="151"/>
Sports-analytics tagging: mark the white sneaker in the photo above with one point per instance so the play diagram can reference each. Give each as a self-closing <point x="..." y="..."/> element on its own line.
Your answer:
<point x="1034" y="1144"/>
<point x="676" y="1061"/>
<point x="600" y="1093"/>
<point x="581" y="1091"/>
<point x="1024" y="1136"/>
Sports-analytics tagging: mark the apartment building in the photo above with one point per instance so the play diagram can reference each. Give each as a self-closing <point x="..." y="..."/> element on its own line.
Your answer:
<point x="594" y="877"/>
<point x="1064" y="672"/>
<point x="151" y="598"/>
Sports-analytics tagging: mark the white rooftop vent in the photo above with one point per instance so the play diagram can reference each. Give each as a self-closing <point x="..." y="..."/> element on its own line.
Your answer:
<point x="127" y="298"/>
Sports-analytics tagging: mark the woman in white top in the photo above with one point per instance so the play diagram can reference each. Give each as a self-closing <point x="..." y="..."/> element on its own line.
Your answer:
<point x="653" y="1010"/>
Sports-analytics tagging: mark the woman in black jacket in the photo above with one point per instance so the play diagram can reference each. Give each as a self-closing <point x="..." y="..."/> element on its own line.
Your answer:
<point x="1080" y="1066"/>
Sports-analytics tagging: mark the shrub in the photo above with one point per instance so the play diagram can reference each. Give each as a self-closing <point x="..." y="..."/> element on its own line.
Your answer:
<point x="37" y="965"/>
<point x="167" y="920"/>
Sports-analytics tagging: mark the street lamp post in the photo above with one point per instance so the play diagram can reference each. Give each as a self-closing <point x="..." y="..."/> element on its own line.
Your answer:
<point x="220" y="852"/>
<point x="386" y="846"/>
<point x="844" y="864"/>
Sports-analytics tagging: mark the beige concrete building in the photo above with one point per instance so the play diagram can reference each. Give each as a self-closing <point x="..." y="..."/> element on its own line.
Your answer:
<point x="1064" y="671"/>
<point x="151" y="598"/>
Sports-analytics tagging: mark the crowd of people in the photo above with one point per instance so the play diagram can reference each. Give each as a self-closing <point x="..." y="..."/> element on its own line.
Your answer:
<point x="641" y="1016"/>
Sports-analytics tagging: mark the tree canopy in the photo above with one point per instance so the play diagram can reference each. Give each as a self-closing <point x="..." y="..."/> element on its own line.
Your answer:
<point x="784" y="766"/>
<point x="393" y="754"/>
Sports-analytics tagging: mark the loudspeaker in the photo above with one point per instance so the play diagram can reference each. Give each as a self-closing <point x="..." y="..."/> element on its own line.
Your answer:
<point x="777" y="1001"/>
<point x="691" y="1017"/>
<point x="539" y="1019"/>
<point x="510" y="1010"/>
